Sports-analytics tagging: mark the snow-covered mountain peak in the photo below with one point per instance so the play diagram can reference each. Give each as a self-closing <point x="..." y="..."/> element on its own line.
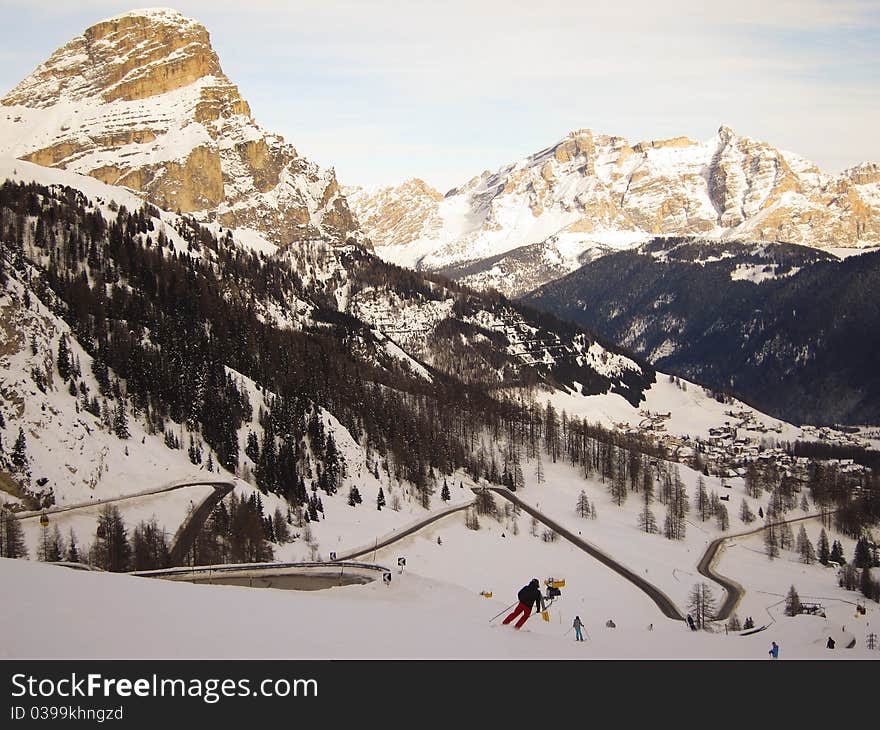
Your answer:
<point x="130" y="56"/>
<point x="725" y="133"/>
<point x="590" y="190"/>
<point x="141" y="100"/>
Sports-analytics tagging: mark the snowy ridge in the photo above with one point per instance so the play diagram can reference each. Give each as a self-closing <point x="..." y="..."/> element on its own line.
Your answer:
<point x="591" y="191"/>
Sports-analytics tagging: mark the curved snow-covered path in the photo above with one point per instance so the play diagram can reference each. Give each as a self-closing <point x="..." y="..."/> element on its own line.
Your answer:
<point x="187" y="531"/>
<point x="664" y="603"/>
<point x="733" y="590"/>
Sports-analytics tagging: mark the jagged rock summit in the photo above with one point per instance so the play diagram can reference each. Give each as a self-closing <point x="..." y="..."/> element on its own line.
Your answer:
<point x="537" y="218"/>
<point x="140" y="100"/>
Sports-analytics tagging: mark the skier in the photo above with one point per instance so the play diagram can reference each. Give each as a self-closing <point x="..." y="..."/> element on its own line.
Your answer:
<point x="830" y="644"/>
<point x="578" y="624"/>
<point x="691" y="623"/>
<point x="528" y="595"/>
<point x="774" y="650"/>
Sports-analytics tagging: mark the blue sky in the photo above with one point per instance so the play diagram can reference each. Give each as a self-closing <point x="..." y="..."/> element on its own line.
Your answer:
<point x="384" y="91"/>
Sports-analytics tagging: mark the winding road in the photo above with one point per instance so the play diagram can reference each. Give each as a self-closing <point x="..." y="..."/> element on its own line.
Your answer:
<point x="185" y="535"/>
<point x="733" y="590"/>
<point x="390" y="539"/>
<point x="664" y="603"/>
<point x="187" y="532"/>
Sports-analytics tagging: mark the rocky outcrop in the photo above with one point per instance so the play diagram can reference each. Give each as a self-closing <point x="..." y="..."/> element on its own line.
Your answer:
<point x="591" y="191"/>
<point x="141" y="100"/>
<point x="397" y="215"/>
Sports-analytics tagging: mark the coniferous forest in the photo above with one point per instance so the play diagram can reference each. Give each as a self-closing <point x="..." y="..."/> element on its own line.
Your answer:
<point x="168" y="326"/>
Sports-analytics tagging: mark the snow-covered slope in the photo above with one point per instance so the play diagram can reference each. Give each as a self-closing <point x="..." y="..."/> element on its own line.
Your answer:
<point x="450" y="565"/>
<point x="591" y="191"/>
<point x="140" y="100"/>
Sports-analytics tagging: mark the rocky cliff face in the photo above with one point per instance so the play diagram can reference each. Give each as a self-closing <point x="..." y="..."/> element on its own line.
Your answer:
<point x="140" y="100"/>
<point x="591" y="190"/>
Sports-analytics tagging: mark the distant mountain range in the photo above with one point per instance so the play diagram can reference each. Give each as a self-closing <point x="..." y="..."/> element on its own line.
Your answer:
<point x="534" y="220"/>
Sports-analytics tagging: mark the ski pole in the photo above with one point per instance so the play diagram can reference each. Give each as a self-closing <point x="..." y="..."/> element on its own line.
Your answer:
<point x="506" y="609"/>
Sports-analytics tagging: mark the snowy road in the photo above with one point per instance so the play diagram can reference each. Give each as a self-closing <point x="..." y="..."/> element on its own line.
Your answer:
<point x="664" y="603"/>
<point x="391" y="539"/>
<point x="733" y="590"/>
<point x="187" y="531"/>
<point x="134" y="495"/>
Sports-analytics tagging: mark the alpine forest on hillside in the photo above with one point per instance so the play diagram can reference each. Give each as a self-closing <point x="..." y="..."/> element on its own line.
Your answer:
<point x="164" y="327"/>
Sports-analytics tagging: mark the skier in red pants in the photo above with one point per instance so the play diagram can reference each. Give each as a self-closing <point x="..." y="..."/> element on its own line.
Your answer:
<point x="528" y="595"/>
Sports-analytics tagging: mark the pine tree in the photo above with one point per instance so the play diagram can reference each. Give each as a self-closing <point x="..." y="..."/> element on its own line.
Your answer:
<point x="647" y="522"/>
<point x="380" y="500"/>
<point x="583" y="505"/>
<point x="822" y="549"/>
<point x="12" y="542"/>
<point x="444" y="493"/>
<point x="539" y="470"/>
<point x="149" y="547"/>
<point x="354" y="497"/>
<point x="120" y="421"/>
<point x="111" y="549"/>
<point x="771" y="544"/>
<point x="63" y="359"/>
<point x="52" y="548"/>
<point x="252" y="449"/>
<point x="754" y="488"/>
<point x="618" y="489"/>
<point x="701" y="604"/>
<point x="805" y="547"/>
<point x="99" y="370"/>
<point x="19" y="457"/>
<point x="72" y="548"/>
<point x="792" y="602"/>
<point x="745" y="513"/>
<point x="195" y="452"/>
<point x="862" y="557"/>
<point x="281" y="525"/>
<point x="702" y="499"/>
<point x="837" y="553"/>
<point x="869" y="587"/>
<point x="786" y="536"/>
<point x="723" y="518"/>
<point x="471" y="521"/>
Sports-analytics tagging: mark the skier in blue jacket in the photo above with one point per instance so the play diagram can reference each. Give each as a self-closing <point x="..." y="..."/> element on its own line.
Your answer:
<point x="578" y="625"/>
